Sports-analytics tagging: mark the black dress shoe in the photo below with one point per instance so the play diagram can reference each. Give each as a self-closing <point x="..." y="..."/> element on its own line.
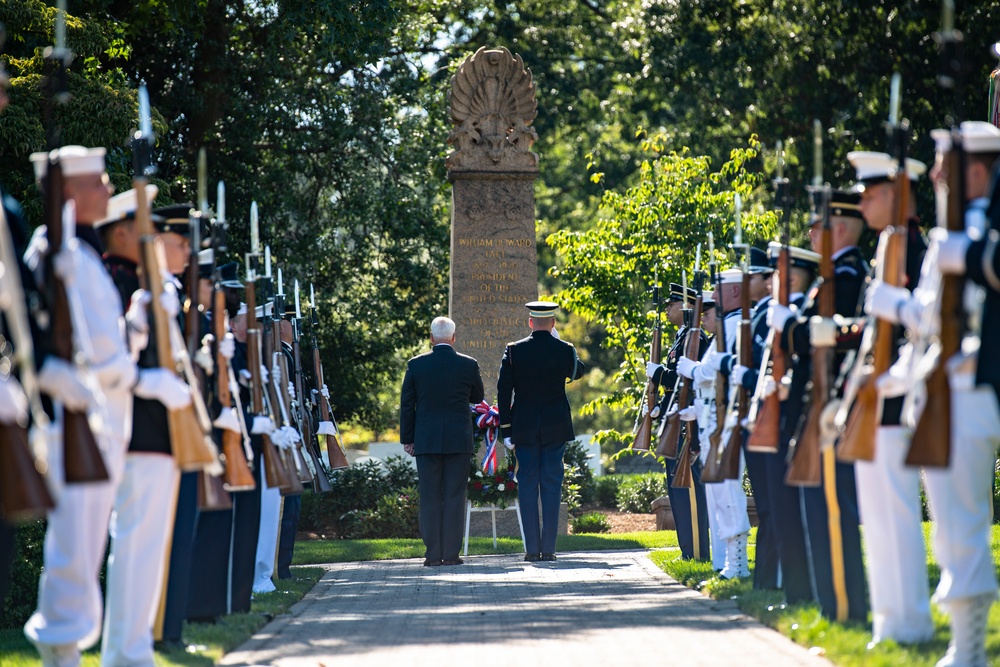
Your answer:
<point x="548" y="557"/>
<point x="533" y="558"/>
<point x="453" y="561"/>
<point x="433" y="563"/>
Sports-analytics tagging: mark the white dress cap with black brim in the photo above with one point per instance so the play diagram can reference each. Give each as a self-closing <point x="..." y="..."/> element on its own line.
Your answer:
<point x="74" y="160"/>
<point x="873" y="168"/>
<point x="977" y="137"/>
<point x="124" y="205"/>
<point x="541" y="309"/>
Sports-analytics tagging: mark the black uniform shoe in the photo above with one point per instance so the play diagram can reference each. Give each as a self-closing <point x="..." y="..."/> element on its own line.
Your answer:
<point x="453" y="561"/>
<point x="548" y="557"/>
<point x="432" y="563"/>
<point x="533" y="558"/>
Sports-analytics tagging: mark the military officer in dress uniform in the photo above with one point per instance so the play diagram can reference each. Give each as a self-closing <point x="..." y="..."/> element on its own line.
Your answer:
<point x="888" y="490"/>
<point x="535" y="418"/>
<point x="960" y="495"/>
<point x="68" y="617"/>
<point x="834" y="547"/>
<point x="665" y="375"/>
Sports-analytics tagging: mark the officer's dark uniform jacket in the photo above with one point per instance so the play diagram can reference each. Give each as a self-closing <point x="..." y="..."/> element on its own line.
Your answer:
<point x="759" y="330"/>
<point x="849" y="279"/>
<point x="666" y="375"/>
<point x="982" y="261"/>
<point x="150" y="424"/>
<point x="531" y="390"/>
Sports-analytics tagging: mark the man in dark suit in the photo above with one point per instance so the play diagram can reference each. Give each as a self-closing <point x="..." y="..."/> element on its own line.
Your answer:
<point x="535" y="418"/>
<point x="435" y="426"/>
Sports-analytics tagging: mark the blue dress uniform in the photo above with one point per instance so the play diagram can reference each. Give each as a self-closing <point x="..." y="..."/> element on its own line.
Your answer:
<point x="680" y="499"/>
<point x="841" y="543"/>
<point x="535" y="416"/>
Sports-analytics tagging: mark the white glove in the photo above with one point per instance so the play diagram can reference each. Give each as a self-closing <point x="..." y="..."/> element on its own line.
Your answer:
<point x="892" y="383"/>
<point x="203" y="355"/>
<point x="13" y="403"/>
<point x="951" y="249"/>
<point x="278" y="438"/>
<point x="687" y="367"/>
<point x="736" y="377"/>
<point x="118" y="373"/>
<point x="291" y="390"/>
<point x="822" y="331"/>
<point x="227" y="346"/>
<point x="326" y="428"/>
<point x="227" y="420"/>
<point x="508" y="444"/>
<point x="688" y="414"/>
<point x="65" y="264"/>
<point x="169" y="301"/>
<point x="883" y="301"/>
<point x="60" y="380"/>
<point x="261" y="424"/>
<point x="325" y="392"/>
<point x="778" y="315"/>
<point x="137" y="316"/>
<point x="264" y="376"/>
<point x="717" y="361"/>
<point x="770" y="386"/>
<point x="276" y="373"/>
<point x="293" y="436"/>
<point x="651" y="368"/>
<point x="655" y="412"/>
<point x="164" y="386"/>
<point x="245" y="377"/>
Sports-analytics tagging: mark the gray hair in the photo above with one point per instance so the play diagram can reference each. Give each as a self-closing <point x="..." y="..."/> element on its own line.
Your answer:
<point x="442" y="329"/>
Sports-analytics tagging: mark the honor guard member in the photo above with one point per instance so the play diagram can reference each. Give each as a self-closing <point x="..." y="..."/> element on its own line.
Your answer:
<point x="834" y="547"/>
<point x="665" y="375"/>
<point x="960" y="495"/>
<point x="144" y="502"/>
<point x="727" y="502"/>
<point x="766" y="559"/>
<point x="535" y="419"/>
<point x="291" y="510"/>
<point x="68" y="617"/>
<point x="888" y="489"/>
<point x="173" y="229"/>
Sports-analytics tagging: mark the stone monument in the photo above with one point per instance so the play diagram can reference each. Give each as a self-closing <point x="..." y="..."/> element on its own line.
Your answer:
<point x="494" y="264"/>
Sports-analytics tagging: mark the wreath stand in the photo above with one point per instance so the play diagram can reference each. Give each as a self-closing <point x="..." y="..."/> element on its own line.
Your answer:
<point x="492" y="509"/>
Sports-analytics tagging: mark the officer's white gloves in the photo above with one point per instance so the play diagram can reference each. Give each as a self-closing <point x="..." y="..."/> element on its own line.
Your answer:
<point x="951" y="249"/>
<point x="778" y="315"/>
<point x="688" y="414"/>
<point x="13" y="404"/>
<point x="60" y="380"/>
<point x="718" y="362"/>
<point x="227" y="346"/>
<point x="687" y="367"/>
<point x="736" y="377"/>
<point x="164" y="386"/>
<point x="203" y="355"/>
<point x="261" y="424"/>
<point x="770" y="386"/>
<point x="227" y="420"/>
<point x="651" y="368"/>
<point x="118" y="373"/>
<point x="508" y="444"/>
<point x="169" y="300"/>
<point x="892" y="304"/>
<point x="822" y="331"/>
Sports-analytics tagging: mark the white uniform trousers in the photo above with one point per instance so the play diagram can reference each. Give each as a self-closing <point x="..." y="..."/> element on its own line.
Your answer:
<point x="69" y="594"/>
<point x="961" y="495"/>
<point x="141" y="525"/>
<point x="267" y="538"/>
<point x="889" y="504"/>
<point x="727" y="506"/>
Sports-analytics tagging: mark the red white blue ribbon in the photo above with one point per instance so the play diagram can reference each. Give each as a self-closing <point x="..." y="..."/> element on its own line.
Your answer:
<point x="488" y="419"/>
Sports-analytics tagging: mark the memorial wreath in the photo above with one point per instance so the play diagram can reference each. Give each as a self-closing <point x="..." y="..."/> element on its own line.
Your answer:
<point x="492" y="482"/>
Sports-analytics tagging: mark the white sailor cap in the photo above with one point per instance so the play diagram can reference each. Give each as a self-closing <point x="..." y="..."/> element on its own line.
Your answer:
<point x="124" y="204"/>
<point x="74" y="160"/>
<point x="242" y="309"/>
<point x="731" y="276"/>
<point x="800" y="257"/>
<point x="977" y="137"/>
<point x="873" y="168"/>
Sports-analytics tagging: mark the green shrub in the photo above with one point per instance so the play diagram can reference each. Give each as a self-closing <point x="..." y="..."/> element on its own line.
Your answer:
<point x="25" y="572"/>
<point x="593" y="522"/>
<point x="395" y="515"/>
<point x="606" y="490"/>
<point x="358" y="488"/>
<point x="577" y="472"/>
<point x="637" y="492"/>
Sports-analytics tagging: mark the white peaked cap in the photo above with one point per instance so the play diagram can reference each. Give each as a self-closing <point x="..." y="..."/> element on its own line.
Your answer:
<point x="206" y="256"/>
<point x="707" y="297"/>
<point x="874" y="167"/>
<point x="75" y="161"/>
<point x="730" y="276"/>
<point x="977" y="137"/>
<point x="124" y="204"/>
<point x="798" y="256"/>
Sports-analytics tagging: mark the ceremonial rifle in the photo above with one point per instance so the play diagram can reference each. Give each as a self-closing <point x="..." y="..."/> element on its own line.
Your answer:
<point x="294" y="460"/>
<point x="765" y="410"/>
<point x="644" y="421"/>
<point x="931" y="442"/>
<point x="82" y="459"/>
<point x="712" y="471"/>
<point x="328" y="425"/>
<point x="739" y="398"/>
<point x="23" y="493"/>
<point x="321" y="483"/>
<point x="689" y="448"/>
<point x="804" y="452"/>
<point x="670" y="434"/>
<point x="190" y="427"/>
<point x="878" y="345"/>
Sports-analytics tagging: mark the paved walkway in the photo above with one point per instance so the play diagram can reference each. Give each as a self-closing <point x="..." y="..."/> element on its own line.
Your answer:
<point x="603" y="608"/>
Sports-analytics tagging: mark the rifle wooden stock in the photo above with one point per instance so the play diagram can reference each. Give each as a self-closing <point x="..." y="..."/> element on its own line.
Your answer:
<point x="931" y="442"/>
<point x="683" y="476"/>
<point x="645" y="419"/>
<point x="212" y="493"/>
<point x="23" y="493"/>
<point x="238" y="476"/>
<point x="669" y="443"/>
<point x="671" y="434"/>
<point x="272" y="352"/>
<point x="712" y="472"/>
<point x="334" y="449"/>
<point x="766" y="434"/>
<point x="277" y="475"/>
<point x="857" y="443"/>
<point x="729" y="464"/>
<point x="82" y="459"/>
<point x="321" y="483"/>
